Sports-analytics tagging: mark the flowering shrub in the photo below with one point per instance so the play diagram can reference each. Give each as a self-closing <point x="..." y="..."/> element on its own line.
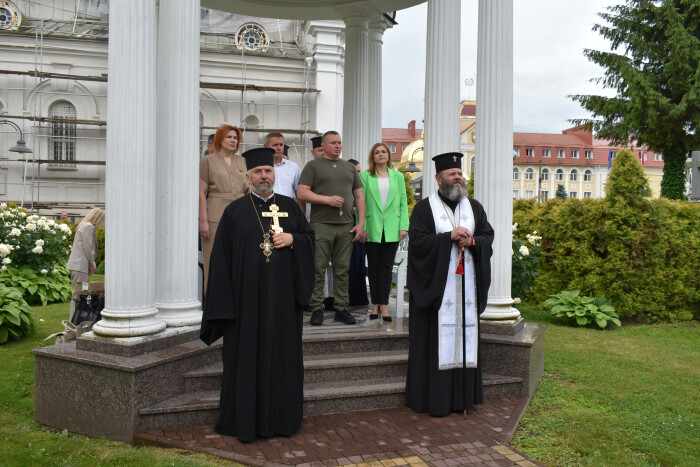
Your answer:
<point x="526" y="262"/>
<point x="33" y="254"/>
<point x="32" y="240"/>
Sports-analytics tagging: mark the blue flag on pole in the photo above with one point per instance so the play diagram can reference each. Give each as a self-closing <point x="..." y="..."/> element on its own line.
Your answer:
<point x="609" y="158"/>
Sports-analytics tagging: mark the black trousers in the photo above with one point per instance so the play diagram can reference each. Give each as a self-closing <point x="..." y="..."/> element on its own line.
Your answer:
<point x="380" y="261"/>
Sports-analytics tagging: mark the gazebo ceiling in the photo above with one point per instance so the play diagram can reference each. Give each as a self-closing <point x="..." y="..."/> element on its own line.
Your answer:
<point x="306" y="9"/>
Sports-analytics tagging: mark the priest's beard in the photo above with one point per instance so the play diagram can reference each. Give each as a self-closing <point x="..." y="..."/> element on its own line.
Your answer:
<point x="263" y="188"/>
<point x="454" y="192"/>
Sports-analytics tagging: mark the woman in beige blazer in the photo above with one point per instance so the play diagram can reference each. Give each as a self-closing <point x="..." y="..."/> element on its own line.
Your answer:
<point x="81" y="262"/>
<point x="221" y="180"/>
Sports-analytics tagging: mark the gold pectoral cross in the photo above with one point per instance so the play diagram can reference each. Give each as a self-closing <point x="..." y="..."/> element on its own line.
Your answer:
<point x="275" y="214"/>
<point x="266" y="247"/>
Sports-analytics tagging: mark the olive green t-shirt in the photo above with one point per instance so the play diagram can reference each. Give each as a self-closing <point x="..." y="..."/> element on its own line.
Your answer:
<point x="331" y="178"/>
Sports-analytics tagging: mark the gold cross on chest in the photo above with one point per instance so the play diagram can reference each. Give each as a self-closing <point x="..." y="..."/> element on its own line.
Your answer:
<point x="275" y="214"/>
<point x="266" y="247"/>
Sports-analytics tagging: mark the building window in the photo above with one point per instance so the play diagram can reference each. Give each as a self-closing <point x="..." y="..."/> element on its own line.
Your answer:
<point x="529" y="194"/>
<point x="392" y="148"/>
<point x="561" y="153"/>
<point x="658" y="156"/>
<point x="574" y="154"/>
<point x="573" y="194"/>
<point x="587" y="194"/>
<point x="573" y="176"/>
<point x="559" y="175"/>
<point x="473" y="164"/>
<point x="516" y="173"/>
<point x="403" y="147"/>
<point x="63" y="132"/>
<point x="515" y="194"/>
<point x="613" y="154"/>
<point x="545" y="175"/>
<point x="530" y="152"/>
<point x="544" y="195"/>
<point x="252" y="37"/>
<point x="516" y="153"/>
<point x="587" y="175"/>
<point x="546" y="153"/>
<point x="529" y="174"/>
<point x="589" y="154"/>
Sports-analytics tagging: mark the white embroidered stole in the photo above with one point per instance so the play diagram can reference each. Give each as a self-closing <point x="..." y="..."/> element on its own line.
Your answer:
<point x="450" y="313"/>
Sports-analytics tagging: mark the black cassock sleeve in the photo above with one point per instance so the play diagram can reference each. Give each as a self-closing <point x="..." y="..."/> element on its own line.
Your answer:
<point x="304" y="254"/>
<point x="219" y="303"/>
<point x="428" y="258"/>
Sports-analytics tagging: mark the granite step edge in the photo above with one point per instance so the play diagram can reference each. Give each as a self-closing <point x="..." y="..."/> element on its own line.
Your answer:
<point x="492" y="379"/>
<point x="319" y="362"/>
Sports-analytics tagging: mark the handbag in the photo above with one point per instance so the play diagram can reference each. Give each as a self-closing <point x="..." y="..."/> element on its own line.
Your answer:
<point x="89" y="308"/>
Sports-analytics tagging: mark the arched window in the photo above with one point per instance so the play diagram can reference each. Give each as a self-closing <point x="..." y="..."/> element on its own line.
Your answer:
<point x="63" y="131"/>
<point x="516" y="173"/>
<point x="473" y="164"/>
<point x="530" y="174"/>
<point x="559" y="175"/>
<point x="545" y="175"/>
<point x="573" y="176"/>
<point x="588" y="175"/>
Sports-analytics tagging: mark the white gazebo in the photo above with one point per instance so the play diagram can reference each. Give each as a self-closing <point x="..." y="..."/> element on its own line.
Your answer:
<point x="152" y="138"/>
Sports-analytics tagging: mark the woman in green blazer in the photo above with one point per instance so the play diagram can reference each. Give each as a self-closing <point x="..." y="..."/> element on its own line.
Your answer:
<point x="386" y="223"/>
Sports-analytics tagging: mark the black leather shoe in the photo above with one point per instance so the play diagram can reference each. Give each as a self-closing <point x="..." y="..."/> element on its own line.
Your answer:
<point x="316" y="318"/>
<point x="387" y="318"/>
<point x="344" y="316"/>
<point x="371" y="316"/>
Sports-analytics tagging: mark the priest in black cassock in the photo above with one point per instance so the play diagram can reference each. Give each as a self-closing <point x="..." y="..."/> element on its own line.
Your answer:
<point x="261" y="276"/>
<point x="447" y="230"/>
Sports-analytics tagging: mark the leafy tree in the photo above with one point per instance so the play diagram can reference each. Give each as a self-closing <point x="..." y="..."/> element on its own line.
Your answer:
<point x="654" y="68"/>
<point x="561" y="192"/>
<point x="470" y="184"/>
<point x="626" y="182"/>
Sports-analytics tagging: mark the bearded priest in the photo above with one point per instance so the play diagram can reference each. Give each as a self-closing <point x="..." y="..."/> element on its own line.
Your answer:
<point x="449" y="252"/>
<point x="261" y="276"/>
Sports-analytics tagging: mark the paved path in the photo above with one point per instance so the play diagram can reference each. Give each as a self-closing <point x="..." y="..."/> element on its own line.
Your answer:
<point x="384" y="437"/>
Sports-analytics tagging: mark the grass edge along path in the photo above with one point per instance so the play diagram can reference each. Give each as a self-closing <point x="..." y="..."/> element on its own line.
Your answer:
<point x="630" y="396"/>
<point x="23" y="442"/>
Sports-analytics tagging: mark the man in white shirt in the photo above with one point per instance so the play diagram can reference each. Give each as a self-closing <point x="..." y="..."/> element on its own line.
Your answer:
<point x="287" y="172"/>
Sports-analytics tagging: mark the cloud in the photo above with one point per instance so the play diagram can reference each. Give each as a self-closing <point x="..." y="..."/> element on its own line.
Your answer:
<point x="548" y="41"/>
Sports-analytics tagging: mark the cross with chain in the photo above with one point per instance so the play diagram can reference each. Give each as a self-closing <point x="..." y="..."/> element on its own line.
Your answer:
<point x="275" y="214"/>
<point x="267" y="247"/>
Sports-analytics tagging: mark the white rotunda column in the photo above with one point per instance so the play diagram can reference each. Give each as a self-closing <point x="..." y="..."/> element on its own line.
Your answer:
<point x="130" y="189"/>
<point x="356" y="95"/>
<point x="494" y="147"/>
<point x="177" y="131"/>
<point x="377" y="26"/>
<point x="441" y="86"/>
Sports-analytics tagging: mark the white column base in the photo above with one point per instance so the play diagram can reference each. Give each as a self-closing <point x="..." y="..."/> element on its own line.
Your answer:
<point x="500" y="311"/>
<point x="139" y="323"/>
<point x="180" y="313"/>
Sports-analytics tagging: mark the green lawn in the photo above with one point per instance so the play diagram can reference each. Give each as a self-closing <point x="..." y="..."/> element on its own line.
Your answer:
<point x="625" y="397"/>
<point x="24" y="442"/>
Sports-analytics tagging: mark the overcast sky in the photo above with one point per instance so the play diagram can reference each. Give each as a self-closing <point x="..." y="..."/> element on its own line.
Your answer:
<point x="549" y="38"/>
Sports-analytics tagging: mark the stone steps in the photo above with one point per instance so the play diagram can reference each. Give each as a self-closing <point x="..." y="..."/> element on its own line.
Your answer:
<point x="346" y="368"/>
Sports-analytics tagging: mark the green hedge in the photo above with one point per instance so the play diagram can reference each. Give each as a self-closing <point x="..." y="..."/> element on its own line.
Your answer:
<point x="642" y="254"/>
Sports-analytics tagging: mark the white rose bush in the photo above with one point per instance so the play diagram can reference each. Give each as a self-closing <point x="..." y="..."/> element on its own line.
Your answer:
<point x="526" y="261"/>
<point x="33" y="255"/>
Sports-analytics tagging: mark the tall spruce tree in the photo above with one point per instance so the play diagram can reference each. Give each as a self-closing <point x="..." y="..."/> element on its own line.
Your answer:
<point x="561" y="192"/>
<point x="654" y="68"/>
